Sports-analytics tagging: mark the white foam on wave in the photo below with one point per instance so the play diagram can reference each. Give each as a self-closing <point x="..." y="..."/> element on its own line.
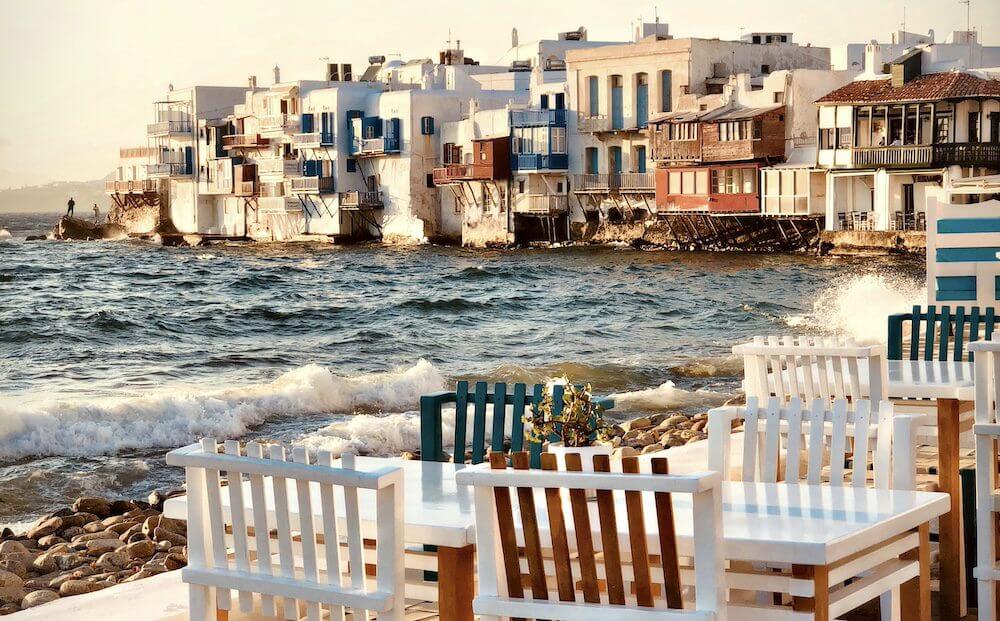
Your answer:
<point x="174" y="418"/>
<point x="665" y="397"/>
<point x="858" y="305"/>
<point x="4" y="234"/>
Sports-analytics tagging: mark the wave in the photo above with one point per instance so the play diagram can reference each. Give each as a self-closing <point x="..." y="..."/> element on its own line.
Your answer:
<point x="174" y="418"/>
<point x="858" y="305"/>
<point x="667" y="397"/>
<point x="721" y="366"/>
<point x="444" y="304"/>
<point x="606" y="376"/>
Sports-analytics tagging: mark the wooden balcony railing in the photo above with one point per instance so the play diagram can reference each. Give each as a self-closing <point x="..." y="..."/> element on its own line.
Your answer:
<point x="541" y="203"/>
<point x="245" y="188"/>
<point x="312" y="140"/>
<point x="279" y="166"/>
<point x="449" y="173"/>
<point x="167" y="169"/>
<point x="134" y="186"/>
<point x="968" y="153"/>
<point x="243" y="141"/>
<point x="909" y="155"/>
<point x="311" y="185"/>
<point x="280" y="123"/>
<point x="621" y="182"/>
<point x="361" y="200"/>
<point x="164" y="128"/>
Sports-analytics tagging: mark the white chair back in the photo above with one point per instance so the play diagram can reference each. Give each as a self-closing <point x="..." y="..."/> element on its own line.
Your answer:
<point x="883" y="444"/>
<point x="987" y="433"/>
<point x="518" y="547"/>
<point x="268" y="492"/>
<point x="813" y="367"/>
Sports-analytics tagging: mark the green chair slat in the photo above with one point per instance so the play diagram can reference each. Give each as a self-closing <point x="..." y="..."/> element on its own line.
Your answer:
<point x="990" y="319"/>
<point x="517" y="423"/>
<point x="929" y="333"/>
<point x="499" y="415"/>
<point x="461" y="418"/>
<point x="945" y="317"/>
<point x="974" y="330"/>
<point x="915" y="333"/>
<point x="478" y="424"/>
<point x="959" y="333"/>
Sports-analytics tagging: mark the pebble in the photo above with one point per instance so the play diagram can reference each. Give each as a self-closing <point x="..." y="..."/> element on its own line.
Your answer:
<point x="45" y="526"/>
<point x="140" y="549"/>
<point x="37" y="598"/>
<point x="11" y="588"/>
<point x="100" y="507"/>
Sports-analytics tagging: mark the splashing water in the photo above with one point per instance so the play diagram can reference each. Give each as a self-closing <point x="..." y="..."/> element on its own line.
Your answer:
<point x="859" y="305"/>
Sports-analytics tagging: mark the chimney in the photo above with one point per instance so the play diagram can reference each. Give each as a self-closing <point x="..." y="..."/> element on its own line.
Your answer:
<point x="277" y="74"/>
<point x="873" y="57"/>
<point x="252" y="81"/>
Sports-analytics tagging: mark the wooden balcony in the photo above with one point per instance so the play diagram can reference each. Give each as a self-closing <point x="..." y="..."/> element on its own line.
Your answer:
<point x="134" y="186"/>
<point x="167" y="169"/>
<point x="892" y="157"/>
<point x="312" y="140"/>
<point x="454" y="173"/>
<point x="311" y="185"/>
<point x="279" y="167"/>
<point x="675" y="151"/>
<point x="278" y="124"/>
<point x="637" y="183"/>
<point x="244" y="141"/>
<point x="361" y="200"/>
<point x="541" y="204"/>
<point x="593" y="124"/>
<point x="968" y="154"/>
<point x="375" y="146"/>
<point x="167" y="128"/>
<point x="246" y="188"/>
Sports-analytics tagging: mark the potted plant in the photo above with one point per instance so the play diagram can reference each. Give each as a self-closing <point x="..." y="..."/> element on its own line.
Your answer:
<point x="576" y="428"/>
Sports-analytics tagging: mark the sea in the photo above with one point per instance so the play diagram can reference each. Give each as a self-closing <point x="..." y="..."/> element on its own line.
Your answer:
<point x="114" y="352"/>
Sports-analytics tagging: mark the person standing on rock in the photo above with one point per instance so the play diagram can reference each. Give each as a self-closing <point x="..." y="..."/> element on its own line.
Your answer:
<point x="97" y="214"/>
<point x="70" y="204"/>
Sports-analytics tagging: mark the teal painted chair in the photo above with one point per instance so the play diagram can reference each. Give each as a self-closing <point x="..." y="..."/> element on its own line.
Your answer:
<point x="519" y="398"/>
<point x="945" y="333"/>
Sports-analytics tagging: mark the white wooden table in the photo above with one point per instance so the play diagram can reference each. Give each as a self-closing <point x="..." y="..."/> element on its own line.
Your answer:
<point x="809" y="526"/>
<point x="951" y="384"/>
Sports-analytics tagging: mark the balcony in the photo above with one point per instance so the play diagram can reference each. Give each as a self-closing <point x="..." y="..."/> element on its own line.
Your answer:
<point x="967" y="154"/>
<point x="638" y="183"/>
<point x="278" y="124"/>
<point x="279" y="167"/>
<point x="134" y="186"/>
<point x="311" y="185"/>
<point x="538" y="118"/>
<point x="374" y="146"/>
<point x="312" y="140"/>
<point x="168" y="128"/>
<point x="538" y="161"/>
<point x="449" y="173"/>
<point x="679" y="151"/>
<point x="361" y="200"/>
<point x="244" y="141"/>
<point x="167" y="169"/>
<point x="541" y="204"/>
<point x="246" y="188"/>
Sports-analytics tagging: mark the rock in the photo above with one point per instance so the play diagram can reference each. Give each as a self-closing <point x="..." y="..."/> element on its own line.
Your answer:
<point x="93" y="527"/>
<point x="652" y="448"/>
<point x="674" y="422"/>
<point x="624" y="451"/>
<point x="37" y="598"/>
<point x="139" y="575"/>
<point x="150" y="525"/>
<point x="78" y="519"/>
<point x="15" y="566"/>
<point x="157" y="497"/>
<point x="98" y="547"/>
<point x="45" y="563"/>
<point x="161" y="534"/>
<point x="121" y="527"/>
<point x="112" y="561"/>
<point x="46" y="526"/>
<point x="114" y="519"/>
<point x="408" y="455"/>
<point x="11" y="588"/>
<point x="6" y="533"/>
<point x="8" y="609"/>
<point x="174" y="561"/>
<point x="50" y="540"/>
<point x="77" y="587"/>
<point x="640" y="423"/>
<point x="66" y="562"/>
<point x="699" y="425"/>
<point x="72" y="531"/>
<point x="102" y="534"/>
<point x="35" y="238"/>
<point x="172" y="525"/>
<point x="143" y="549"/>
<point x="122" y="506"/>
<point x="98" y="506"/>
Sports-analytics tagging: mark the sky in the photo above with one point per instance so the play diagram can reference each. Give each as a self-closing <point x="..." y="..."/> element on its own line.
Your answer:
<point x="80" y="76"/>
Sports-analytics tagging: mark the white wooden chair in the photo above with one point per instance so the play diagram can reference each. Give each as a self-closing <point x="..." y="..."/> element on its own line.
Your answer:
<point x="812" y="367"/>
<point x="231" y="548"/>
<point x="986" y="430"/>
<point x="615" y="580"/>
<point x="883" y="456"/>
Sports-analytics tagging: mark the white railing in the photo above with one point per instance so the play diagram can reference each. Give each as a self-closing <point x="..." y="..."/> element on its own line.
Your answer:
<point x="541" y="203"/>
<point x="279" y="166"/>
<point x="279" y="122"/>
<point x="910" y="155"/>
<point x="589" y="124"/>
<point x="168" y="127"/>
<point x="166" y="170"/>
<point x="371" y="145"/>
<point x="311" y="185"/>
<point x="311" y="140"/>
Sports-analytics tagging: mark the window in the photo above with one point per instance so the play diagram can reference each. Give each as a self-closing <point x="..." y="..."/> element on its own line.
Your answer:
<point x="844" y="138"/>
<point x="994" y="127"/>
<point x="427" y="126"/>
<point x="943" y="131"/>
<point x="758" y="128"/>
<point x="683" y="131"/>
<point x="765" y="69"/>
<point x="544" y="102"/>
<point x="430" y="180"/>
<point x="560" y="101"/>
<point x="827" y="138"/>
<point x="733" y="130"/>
<point x="352" y="165"/>
<point x="734" y="181"/>
<point x="590" y="160"/>
<point x="594" y="96"/>
<point x="559" y="187"/>
<point x="666" y="91"/>
<point x="558" y="140"/>
<point x="974" y="127"/>
<point x="520" y="186"/>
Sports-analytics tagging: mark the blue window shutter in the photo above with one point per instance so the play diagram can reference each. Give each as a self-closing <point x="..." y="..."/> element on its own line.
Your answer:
<point x="545" y="102"/>
<point x="594" y="93"/>
<point x="640" y="156"/>
<point x="641" y="105"/>
<point x="666" y="104"/>
<point x="352" y="165"/>
<point x="392" y="134"/>
<point x="560" y="101"/>
<point x="188" y="160"/>
<point x="307" y="123"/>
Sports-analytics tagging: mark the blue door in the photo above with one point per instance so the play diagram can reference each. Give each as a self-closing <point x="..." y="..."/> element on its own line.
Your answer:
<point x="666" y="103"/>
<point x="594" y="96"/>
<point x="640" y="159"/>
<point x="307" y="123"/>
<point x="617" y="113"/>
<point x="188" y="161"/>
<point x="615" y="160"/>
<point x="326" y="127"/>
<point x="590" y="155"/>
<point x="641" y="100"/>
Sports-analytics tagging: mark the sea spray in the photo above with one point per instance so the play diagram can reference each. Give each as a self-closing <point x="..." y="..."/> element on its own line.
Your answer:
<point x="858" y="305"/>
<point x="174" y="418"/>
<point x="666" y="397"/>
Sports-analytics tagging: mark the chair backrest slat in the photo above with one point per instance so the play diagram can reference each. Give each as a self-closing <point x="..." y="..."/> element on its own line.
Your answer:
<point x="496" y="525"/>
<point x="794" y="444"/>
<point x="945" y="332"/>
<point x="461" y="419"/>
<point x="915" y="333"/>
<point x="557" y="530"/>
<point x="817" y="434"/>
<point x="838" y="442"/>
<point x="273" y="499"/>
<point x="499" y="416"/>
<point x="772" y="441"/>
<point x="750" y="442"/>
<point x="930" y="327"/>
<point x="517" y="417"/>
<point x="237" y="508"/>
<point x="584" y="539"/>
<point x="959" y="333"/>
<point x="478" y="424"/>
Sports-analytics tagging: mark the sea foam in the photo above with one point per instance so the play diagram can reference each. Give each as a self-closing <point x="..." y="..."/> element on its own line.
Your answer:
<point x="666" y="397"/>
<point x="174" y="418"/>
<point x="858" y="305"/>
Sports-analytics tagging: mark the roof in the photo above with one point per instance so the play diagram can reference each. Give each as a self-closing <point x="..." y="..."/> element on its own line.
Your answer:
<point x="927" y="87"/>
<point x="800" y="157"/>
<point x="716" y="114"/>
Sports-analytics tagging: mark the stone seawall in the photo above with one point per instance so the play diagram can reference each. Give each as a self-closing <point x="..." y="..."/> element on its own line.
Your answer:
<point x="872" y="242"/>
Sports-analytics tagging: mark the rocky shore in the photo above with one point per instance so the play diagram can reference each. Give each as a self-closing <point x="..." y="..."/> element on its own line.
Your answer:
<point x="92" y="545"/>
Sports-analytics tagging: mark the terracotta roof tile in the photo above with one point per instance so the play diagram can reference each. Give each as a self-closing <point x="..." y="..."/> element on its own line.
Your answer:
<point x="928" y="87"/>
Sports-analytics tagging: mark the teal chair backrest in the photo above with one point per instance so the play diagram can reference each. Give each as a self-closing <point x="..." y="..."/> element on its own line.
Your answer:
<point x="432" y="439"/>
<point x="940" y="334"/>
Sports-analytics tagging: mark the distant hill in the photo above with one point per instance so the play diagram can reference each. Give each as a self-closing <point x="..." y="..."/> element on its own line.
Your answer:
<point x="52" y="197"/>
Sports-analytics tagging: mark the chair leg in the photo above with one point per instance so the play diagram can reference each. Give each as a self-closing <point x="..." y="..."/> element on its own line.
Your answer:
<point x="200" y="602"/>
<point x="221" y="615"/>
<point x="987" y="600"/>
<point x="889" y="605"/>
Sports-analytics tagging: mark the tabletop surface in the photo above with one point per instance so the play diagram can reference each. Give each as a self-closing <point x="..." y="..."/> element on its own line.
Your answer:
<point x="932" y="379"/>
<point x="763" y="521"/>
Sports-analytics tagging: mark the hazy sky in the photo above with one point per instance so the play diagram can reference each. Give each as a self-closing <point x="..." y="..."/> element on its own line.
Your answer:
<point x="80" y="76"/>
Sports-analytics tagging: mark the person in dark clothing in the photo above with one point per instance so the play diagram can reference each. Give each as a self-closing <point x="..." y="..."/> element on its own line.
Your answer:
<point x="70" y="204"/>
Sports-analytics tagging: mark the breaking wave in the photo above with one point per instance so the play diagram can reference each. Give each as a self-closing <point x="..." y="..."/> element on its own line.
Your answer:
<point x="170" y="419"/>
<point x="859" y="305"/>
<point x="4" y="234"/>
<point x="667" y="397"/>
